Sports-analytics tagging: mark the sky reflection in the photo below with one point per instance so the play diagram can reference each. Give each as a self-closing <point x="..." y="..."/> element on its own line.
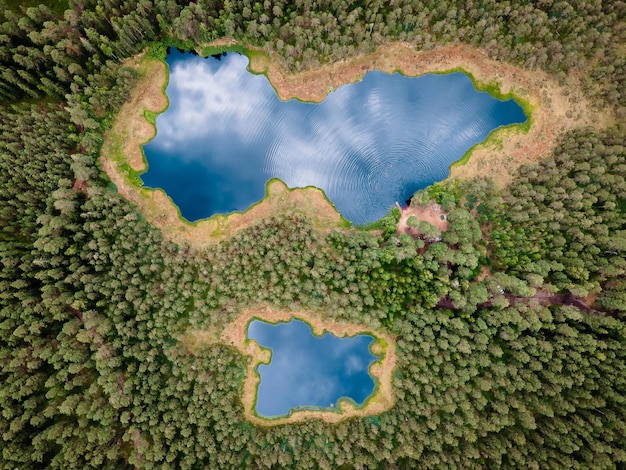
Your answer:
<point x="306" y="371"/>
<point x="225" y="134"/>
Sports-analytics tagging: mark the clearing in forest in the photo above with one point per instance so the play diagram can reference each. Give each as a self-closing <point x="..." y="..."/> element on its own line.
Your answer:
<point x="433" y="214"/>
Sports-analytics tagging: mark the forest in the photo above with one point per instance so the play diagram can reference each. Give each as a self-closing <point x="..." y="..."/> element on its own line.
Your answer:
<point x="493" y="371"/>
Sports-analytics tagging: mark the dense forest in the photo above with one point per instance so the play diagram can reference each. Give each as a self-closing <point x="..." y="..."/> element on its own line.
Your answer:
<point x="510" y="328"/>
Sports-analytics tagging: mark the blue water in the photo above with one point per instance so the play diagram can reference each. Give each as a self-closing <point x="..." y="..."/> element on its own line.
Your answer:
<point x="309" y="372"/>
<point x="367" y="145"/>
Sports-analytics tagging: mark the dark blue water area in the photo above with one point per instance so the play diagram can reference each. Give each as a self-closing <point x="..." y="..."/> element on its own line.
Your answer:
<point x="367" y="145"/>
<point x="307" y="371"/>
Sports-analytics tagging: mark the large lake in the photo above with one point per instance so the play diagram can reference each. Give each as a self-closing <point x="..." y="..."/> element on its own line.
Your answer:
<point x="367" y="145"/>
<point x="307" y="371"/>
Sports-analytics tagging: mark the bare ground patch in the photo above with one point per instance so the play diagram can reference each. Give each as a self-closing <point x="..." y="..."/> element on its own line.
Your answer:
<point x="432" y="214"/>
<point x="235" y="335"/>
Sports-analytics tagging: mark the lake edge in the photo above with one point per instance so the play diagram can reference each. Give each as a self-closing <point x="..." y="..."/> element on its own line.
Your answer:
<point x="163" y="178"/>
<point x="159" y="211"/>
<point x="381" y="370"/>
<point x="342" y="402"/>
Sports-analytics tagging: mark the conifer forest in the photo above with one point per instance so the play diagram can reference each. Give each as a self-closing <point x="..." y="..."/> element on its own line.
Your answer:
<point x="510" y="326"/>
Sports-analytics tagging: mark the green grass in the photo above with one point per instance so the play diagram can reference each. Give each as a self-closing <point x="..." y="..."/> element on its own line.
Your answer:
<point x="117" y="156"/>
<point x="132" y="175"/>
<point x="494" y="137"/>
<point x="151" y="116"/>
<point x="493" y="88"/>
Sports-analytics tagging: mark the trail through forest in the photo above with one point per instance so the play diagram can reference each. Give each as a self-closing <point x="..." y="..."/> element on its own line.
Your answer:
<point x="544" y="298"/>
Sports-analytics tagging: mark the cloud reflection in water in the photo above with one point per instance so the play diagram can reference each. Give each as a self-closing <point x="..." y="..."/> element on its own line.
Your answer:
<point x="366" y="145"/>
<point x="309" y="371"/>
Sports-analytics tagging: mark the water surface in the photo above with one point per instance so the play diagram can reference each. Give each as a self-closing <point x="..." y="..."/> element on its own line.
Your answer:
<point x="307" y="371"/>
<point x="367" y="145"/>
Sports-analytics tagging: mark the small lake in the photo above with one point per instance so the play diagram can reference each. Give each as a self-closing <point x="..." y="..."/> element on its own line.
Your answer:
<point x="367" y="145"/>
<point x="309" y="372"/>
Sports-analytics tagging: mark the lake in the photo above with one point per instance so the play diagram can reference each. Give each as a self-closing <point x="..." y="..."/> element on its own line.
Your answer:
<point x="309" y="372"/>
<point x="367" y="145"/>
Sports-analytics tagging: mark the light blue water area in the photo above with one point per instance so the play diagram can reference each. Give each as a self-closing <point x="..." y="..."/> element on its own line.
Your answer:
<point x="306" y="371"/>
<point x="367" y="145"/>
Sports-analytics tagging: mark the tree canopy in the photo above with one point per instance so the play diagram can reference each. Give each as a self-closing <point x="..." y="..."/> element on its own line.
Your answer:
<point x="491" y="372"/>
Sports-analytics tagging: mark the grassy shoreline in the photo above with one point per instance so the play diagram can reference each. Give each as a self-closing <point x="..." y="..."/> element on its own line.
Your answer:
<point x="503" y="150"/>
<point x="235" y="334"/>
<point x="134" y="176"/>
<point x="265" y="359"/>
<point x="496" y="135"/>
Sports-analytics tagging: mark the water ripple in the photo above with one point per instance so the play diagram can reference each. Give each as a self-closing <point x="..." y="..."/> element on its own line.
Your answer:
<point x="367" y="145"/>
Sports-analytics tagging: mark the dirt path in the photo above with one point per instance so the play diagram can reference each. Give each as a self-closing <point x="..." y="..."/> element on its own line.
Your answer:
<point x="567" y="299"/>
<point x="542" y="297"/>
